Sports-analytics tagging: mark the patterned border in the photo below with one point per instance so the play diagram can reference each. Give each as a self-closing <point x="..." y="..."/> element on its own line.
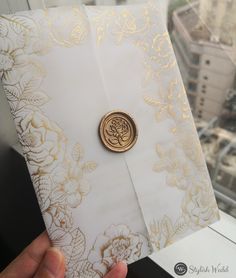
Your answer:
<point x="58" y="172"/>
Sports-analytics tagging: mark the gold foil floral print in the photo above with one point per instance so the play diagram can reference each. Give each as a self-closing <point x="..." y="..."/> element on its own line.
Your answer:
<point x="171" y="103"/>
<point x="63" y="189"/>
<point x="58" y="169"/>
<point x="178" y="171"/>
<point x="73" y="245"/>
<point x="179" y="158"/>
<point x="160" y="59"/>
<point x="163" y="232"/>
<point x="67" y="27"/>
<point x="119" y="24"/>
<point x="198" y="206"/>
<point x="117" y="243"/>
<point x="35" y="132"/>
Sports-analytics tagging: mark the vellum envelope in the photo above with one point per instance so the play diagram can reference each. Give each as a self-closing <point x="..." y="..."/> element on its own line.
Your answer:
<point x="62" y="70"/>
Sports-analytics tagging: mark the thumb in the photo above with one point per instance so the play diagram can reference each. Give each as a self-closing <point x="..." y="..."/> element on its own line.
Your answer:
<point x="52" y="265"/>
<point x="118" y="271"/>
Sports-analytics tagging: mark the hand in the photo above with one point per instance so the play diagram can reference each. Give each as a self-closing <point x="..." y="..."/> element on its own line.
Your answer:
<point x="40" y="260"/>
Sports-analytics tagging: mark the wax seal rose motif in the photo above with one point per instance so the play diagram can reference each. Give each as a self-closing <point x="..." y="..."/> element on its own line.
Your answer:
<point x="118" y="131"/>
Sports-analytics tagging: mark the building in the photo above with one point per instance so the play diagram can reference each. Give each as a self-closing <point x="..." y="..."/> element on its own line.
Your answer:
<point x="219" y="147"/>
<point x="203" y="39"/>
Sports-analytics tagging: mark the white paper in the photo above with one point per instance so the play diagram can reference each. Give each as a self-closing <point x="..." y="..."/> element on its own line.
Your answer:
<point x="62" y="70"/>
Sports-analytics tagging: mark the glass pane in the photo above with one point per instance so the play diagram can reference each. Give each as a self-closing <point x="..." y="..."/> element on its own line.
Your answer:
<point x="203" y="34"/>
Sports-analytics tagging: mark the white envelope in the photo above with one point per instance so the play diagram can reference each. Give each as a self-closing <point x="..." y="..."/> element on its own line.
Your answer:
<point x="62" y="70"/>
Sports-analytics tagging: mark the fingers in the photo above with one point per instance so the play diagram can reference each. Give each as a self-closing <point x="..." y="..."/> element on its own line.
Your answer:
<point x="52" y="266"/>
<point x="118" y="271"/>
<point x="26" y="264"/>
<point x="37" y="258"/>
<point x="47" y="262"/>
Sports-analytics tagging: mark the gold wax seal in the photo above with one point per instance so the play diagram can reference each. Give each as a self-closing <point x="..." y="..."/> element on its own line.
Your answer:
<point x="118" y="131"/>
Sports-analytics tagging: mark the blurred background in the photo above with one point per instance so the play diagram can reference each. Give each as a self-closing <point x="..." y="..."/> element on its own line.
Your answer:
<point x="203" y="34"/>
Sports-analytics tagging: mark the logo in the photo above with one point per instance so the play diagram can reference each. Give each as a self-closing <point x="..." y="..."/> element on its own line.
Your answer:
<point x="180" y="269"/>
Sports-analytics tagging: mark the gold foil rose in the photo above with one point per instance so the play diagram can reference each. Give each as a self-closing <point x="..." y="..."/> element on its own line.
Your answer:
<point x="10" y="63"/>
<point x="42" y="141"/>
<point x="117" y="243"/>
<point x="198" y="206"/>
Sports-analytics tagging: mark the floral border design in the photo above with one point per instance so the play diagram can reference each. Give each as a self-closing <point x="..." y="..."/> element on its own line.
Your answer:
<point x="181" y="163"/>
<point x="59" y="192"/>
<point x="58" y="173"/>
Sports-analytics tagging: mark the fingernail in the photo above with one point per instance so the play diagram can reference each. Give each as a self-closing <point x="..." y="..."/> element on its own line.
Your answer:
<point x="52" y="261"/>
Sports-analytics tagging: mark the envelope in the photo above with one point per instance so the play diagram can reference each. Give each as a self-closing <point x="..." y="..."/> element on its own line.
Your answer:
<point x="106" y="131"/>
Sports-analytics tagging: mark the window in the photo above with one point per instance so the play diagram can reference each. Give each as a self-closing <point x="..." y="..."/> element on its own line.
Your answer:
<point x="120" y="2"/>
<point x="90" y="2"/>
<point x="229" y="4"/>
<point x="204" y="44"/>
<point x="192" y="86"/>
<point x="195" y="58"/>
<point x="193" y="73"/>
<point x="214" y="3"/>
